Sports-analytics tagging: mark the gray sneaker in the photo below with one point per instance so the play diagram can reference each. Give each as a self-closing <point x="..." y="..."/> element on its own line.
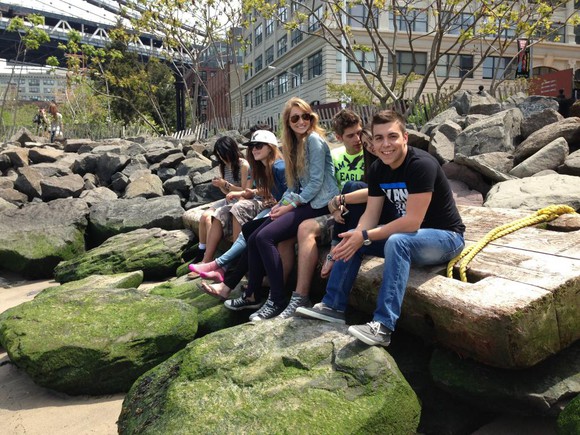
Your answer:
<point x="268" y="311"/>
<point x="295" y="301"/>
<point x="321" y="312"/>
<point x="373" y="333"/>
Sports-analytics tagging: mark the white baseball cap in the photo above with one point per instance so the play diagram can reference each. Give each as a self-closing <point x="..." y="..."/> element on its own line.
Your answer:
<point x="263" y="136"/>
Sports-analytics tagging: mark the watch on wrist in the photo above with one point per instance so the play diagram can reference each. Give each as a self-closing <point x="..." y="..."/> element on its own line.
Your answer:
<point x="366" y="240"/>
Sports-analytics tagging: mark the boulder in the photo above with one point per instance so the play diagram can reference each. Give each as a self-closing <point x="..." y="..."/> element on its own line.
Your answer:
<point x="144" y="186"/>
<point x="98" y="194"/>
<point x="13" y="196"/>
<point x="495" y="166"/>
<point x="568" y="129"/>
<point x="535" y="104"/>
<point x="5" y="162"/>
<point x="28" y="182"/>
<point x="569" y="418"/>
<point x="550" y="157"/>
<point x="18" y="157"/>
<point x="540" y="390"/>
<point x="108" y="218"/>
<point x="269" y="377"/>
<point x="418" y="140"/>
<point x="94" y="341"/>
<point x="449" y="114"/>
<point x="5" y="205"/>
<point x="442" y="144"/>
<point x="35" y="238"/>
<point x="539" y="120"/>
<point x="534" y="193"/>
<point x="44" y="155"/>
<point x="469" y="102"/>
<point x="22" y="136"/>
<point x="117" y="280"/>
<point x="191" y="165"/>
<point x="473" y="179"/>
<point x="571" y="165"/>
<point x="155" y="251"/>
<point x="61" y="187"/>
<point x="109" y="163"/>
<point x="157" y="155"/>
<point x="213" y="316"/>
<point x="494" y="133"/>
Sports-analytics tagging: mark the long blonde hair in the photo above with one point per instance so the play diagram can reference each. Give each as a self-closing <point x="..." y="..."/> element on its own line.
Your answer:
<point x="294" y="149"/>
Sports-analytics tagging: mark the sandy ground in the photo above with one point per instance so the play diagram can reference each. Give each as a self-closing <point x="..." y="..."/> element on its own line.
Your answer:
<point x="26" y="408"/>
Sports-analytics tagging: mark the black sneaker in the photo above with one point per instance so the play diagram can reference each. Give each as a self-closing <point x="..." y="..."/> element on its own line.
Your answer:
<point x="242" y="303"/>
<point x="268" y="311"/>
<point x="373" y="333"/>
<point x="295" y="301"/>
<point x="321" y="311"/>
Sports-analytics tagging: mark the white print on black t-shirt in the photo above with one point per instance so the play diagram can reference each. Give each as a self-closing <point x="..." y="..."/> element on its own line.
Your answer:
<point x="397" y="194"/>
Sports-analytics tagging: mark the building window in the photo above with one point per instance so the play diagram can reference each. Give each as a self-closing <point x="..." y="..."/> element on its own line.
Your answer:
<point x="34" y="89"/>
<point x="455" y="24"/>
<point x="269" y="27"/>
<point x="315" y="65"/>
<point x="258" y="62"/>
<point x="269" y="55"/>
<point x="248" y="71"/>
<point x="502" y="65"/>
<point x="248" y="100"/>
<point x="282" y="15"/>
<point x="314" y="20"/>
<point x="270" y="89"/>
<point x="415" y="21"/>
<point x="297" y="74"/>
<point x="258" y="34"/>
<point x="557" y="33"/>
<point x="405" y="63"/>
<point x="295" y="36"/>
<point x="282" y="83"/>
<point x="248" y="46"/>
<point x="366" y="59"/>
<point x="451" y="65"/>
<point x="296" y="4"/>
<point x="258" y="93"/>
<point x="359" y="14"/>
<point x="282" y="45"/>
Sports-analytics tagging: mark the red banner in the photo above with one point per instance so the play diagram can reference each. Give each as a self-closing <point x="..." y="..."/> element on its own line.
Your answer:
<point x="549" y="85"/>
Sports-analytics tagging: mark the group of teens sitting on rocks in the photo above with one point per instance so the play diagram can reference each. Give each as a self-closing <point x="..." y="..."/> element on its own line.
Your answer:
<point x="381" y="196"/>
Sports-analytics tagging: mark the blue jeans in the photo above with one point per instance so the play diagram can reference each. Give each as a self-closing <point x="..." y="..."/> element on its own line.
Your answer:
<point x="424" y="247"/>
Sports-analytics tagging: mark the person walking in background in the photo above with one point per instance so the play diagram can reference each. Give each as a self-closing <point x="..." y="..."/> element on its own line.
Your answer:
<point x="427" y="231"/>
<point x="311" y="184"/>
<point x="56" y="126"/>
<point x="41" y="121"/>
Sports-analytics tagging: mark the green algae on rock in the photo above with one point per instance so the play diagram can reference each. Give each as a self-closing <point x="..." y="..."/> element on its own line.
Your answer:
<point x="282" y="376"/>
<point x="155" y="251"/>
<point x="95" y="341"/>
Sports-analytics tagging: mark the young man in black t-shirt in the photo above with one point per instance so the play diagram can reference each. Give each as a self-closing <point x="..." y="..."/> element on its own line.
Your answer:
<point x="428" y="230"/>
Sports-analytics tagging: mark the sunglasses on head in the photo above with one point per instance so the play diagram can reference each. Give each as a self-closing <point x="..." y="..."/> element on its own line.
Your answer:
<point x="305" y="117"/>
<point x="258" y="145"/>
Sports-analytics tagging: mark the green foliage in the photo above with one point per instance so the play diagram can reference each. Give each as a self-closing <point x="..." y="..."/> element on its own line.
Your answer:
<point x="358" y="93"/>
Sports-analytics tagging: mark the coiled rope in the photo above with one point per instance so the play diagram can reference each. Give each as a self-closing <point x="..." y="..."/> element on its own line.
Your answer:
<point x="543" y="215"/>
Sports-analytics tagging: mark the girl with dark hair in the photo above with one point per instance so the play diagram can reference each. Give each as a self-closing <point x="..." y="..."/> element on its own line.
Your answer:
<point x="234" y="178"/>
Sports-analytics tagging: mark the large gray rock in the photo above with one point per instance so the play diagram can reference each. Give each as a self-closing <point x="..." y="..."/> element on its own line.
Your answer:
<point x="44" y="155"/>
<point x="109" y="163"/>
<point x="94" y="341"/>
<point x="293" y="375"/>
<point x="28" y="182"/>
<point x="13" y="196"/>
<point x="191" y="165"/>
<point x="449" y="114"/>
<point x="144" y="186"/>
<point x="155" y="251"/>
<point x="473" y="179"/>
<point x="98" y="194"/>
<point x="34" y="239"/>
<point x="550" y="157"/>
<point x="539" y="120"/>
<point x="469" y="102"/>
<point x="543" y="389"/>
<point x="442" y="144"/>
<point x="157" y="155"/>
<point x="495" y="133"/>
<point x="61" y="187"/>
<point x="571" y="165"/>
<point x="534" y="193"/>
<point x="108" y="218"/>
<point x="5" y="205"/>
<point x="18" y="157"/>
<point x="568" y="129"/>
<point x="495" y="166"/>
<point x="536" y="104"/>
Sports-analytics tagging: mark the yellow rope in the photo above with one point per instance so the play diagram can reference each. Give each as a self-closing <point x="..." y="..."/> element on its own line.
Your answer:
<point x="544" y="215"/>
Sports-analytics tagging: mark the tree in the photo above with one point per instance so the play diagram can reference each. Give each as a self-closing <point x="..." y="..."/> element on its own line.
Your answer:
<point x="31" y="36"/>
<point x="425" y="41"/>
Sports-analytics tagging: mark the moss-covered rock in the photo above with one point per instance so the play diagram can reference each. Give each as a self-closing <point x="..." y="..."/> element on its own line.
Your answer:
<point x="118" y="280"/>
<point x="35" y="238"/>
<point x="569" y="419"/>
<point x="284" y="376"/>
<point x="543" y="389"/>
<point x="95" y="341"/>
<point x="213" y="316"/>
<point x="155" y="251"/>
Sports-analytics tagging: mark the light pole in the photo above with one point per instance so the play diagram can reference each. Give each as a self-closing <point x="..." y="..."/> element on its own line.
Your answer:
<point x="292" y="74"/>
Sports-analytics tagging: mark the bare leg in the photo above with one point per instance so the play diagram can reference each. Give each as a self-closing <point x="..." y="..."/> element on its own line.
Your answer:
<point x="288" y="255"/>
<point x="216" y="233"/>
<point x="307" y="255"/>
<point x="204" y="225"/>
